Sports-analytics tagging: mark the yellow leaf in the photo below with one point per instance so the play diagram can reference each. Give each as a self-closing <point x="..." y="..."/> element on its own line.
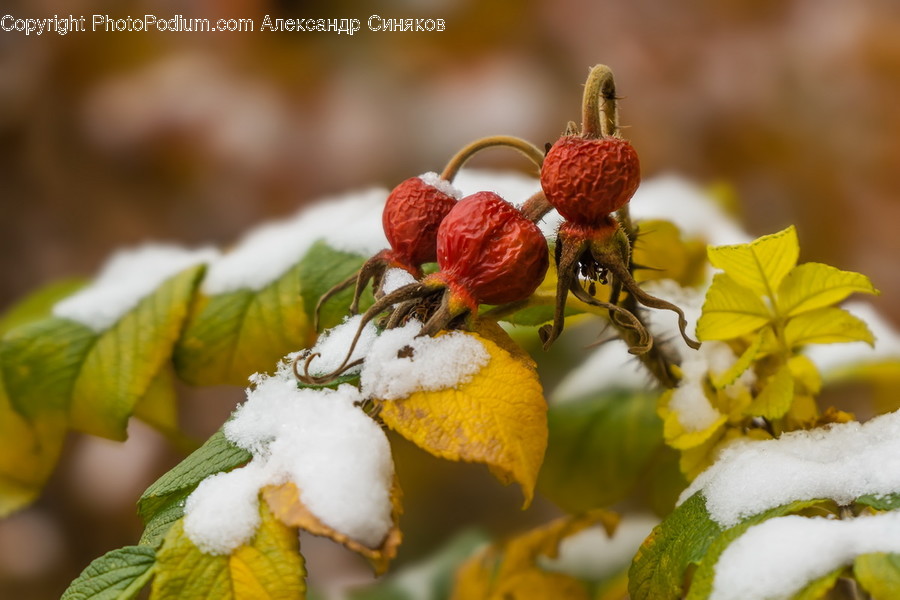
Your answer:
<point x="762" y="264"/>
<point x="498" y="418"/>
<point x="270" y="567"/>
<point x="28" y="454"/>
<point x="814" y="285"/>
<point x="729" y="376"/>
<point x="806" y="375"/>
<point x="775" y="399"/>
<point x="660" y="248"/>
<point x="511" y="570"/>
<point x="826" y="326"/>
<point x="680" y="438"/>
<point x="730" y="310"/>
<point x="287" y="506"/>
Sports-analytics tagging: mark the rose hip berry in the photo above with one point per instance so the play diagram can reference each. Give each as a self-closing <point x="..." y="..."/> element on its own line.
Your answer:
<point x="489" y="253"/>
<point x="412" y="213"/>
<point x="586" y="179"/>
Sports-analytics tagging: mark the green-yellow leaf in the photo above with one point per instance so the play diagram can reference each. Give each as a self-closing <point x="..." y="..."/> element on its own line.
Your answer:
<point x="814" y="285"/>
<point x="125" y="359"/>
<point x="28" y="453"/>
<point x="762" y="264"/>
<point x="818" y="588"/>
<point x="730" y="310"/>
<point x="828" y="325"/>
<point x="268" y="568"/>
<point x="117" y="575"/>
<point x="230" y="336"/>
<point x="598" y="448"/>
<point x="322" y="268"/>
<point x="158" y="407"/>
<point x="775" y="399"/>
<point x="38" y="304"/>
<point x="681" y="540"/>
<point x="878" y="574"/>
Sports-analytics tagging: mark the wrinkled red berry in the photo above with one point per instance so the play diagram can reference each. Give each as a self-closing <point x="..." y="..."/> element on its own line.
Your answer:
<point x="586" y="179"/>
<point x="412" y="213"/>
<point x="489" y="252"/>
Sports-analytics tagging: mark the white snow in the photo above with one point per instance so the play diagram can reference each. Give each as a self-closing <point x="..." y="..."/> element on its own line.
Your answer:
<point x="434" y="363"/>
<point x="435" y="180"/>
<point x="676" y="199"/>
<point x="336" y="455"/>
<point x="608" y="367"/>
<point x="394" y="279"/>
<point x="777" y="558"/>
<point x="832" y="358"/>
<point x="333" y="344"/>
<point x="591" y="554"/>
<point x="351" y="223"/>
<point x="126" y="278"/>
<point x="841" y="462"/>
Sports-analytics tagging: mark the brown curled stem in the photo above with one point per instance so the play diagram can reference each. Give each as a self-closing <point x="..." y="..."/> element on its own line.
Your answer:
<point x="567" y="261"/>
<point x="459" y="159"/>
<point x="340" y="287"/>
<point x="403" y="294"/>
<point x="600" y="116"/>
<point x="622" y="319"/>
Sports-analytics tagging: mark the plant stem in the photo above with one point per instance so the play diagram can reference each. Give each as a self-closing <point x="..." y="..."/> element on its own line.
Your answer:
<point x="459" y="159"/>
<point x="536" y="207"/>
<point x="600" y="117"/>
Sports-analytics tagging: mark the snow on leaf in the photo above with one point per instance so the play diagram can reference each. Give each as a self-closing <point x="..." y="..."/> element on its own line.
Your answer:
<point x="513" y="570"/>
<point x="827" y="325"/>
<point x="117" y="575"/>
<point x="730" y="310"/>
<point x="269" y="566"/>
<point x="286" y="503"/>
<point x="760" y="265"/>
<point x="775" y="398"/>
<point x="498" y="417"/>
<point x="814" y="285"/>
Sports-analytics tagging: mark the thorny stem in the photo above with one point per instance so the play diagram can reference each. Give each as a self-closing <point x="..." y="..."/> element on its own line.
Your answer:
<point x="600" y="117"/>
<point x="459" y="159"/>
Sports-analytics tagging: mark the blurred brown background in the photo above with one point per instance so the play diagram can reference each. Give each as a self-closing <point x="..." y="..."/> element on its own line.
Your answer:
<point x="110" y="139"/>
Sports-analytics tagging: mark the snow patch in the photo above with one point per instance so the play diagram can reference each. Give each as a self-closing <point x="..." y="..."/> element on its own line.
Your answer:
<point x="841" y="462"/>
<point x="350" y="223"/>
<point x="336" y="455"/>
<point x="399" y="363"/>
<point x="434" y="180"/>
<point x="776" y="559"/>
<point x="126" y="279"/>
<point x="394" y="279"/>
<point x="333" y="344"/>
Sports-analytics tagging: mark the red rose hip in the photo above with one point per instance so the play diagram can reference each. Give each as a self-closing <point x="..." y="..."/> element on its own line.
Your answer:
<point x="586" y="179"/>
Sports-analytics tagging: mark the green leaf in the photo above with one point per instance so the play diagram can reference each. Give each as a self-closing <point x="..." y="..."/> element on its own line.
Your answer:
<point x="885" y="502"/>
<point x="216" y="455"/>
<point x="730" y="310"/>
<point x="322" y="268"/>
<point x="41" y="362"/>
<point x="269" y="567"/>
<point x="598" y="448"/>
<point x="38" y="304"/>
<point x="878" y="574"/>
<point x="762" y="264"/>
<point x="681" y="540"/>
<point x="775" y="399"/>
<point x="702" y="581"/>
<point x="230" y="336"/>
<point x="829" y="325"/>
<point x="814" y="285"/>
<point x="726" y="378"/>
<point x="58" y="364"/>
<point x="117" y="575"/>
<point x="166" y="512"/>
<point x="819" y="588"/>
